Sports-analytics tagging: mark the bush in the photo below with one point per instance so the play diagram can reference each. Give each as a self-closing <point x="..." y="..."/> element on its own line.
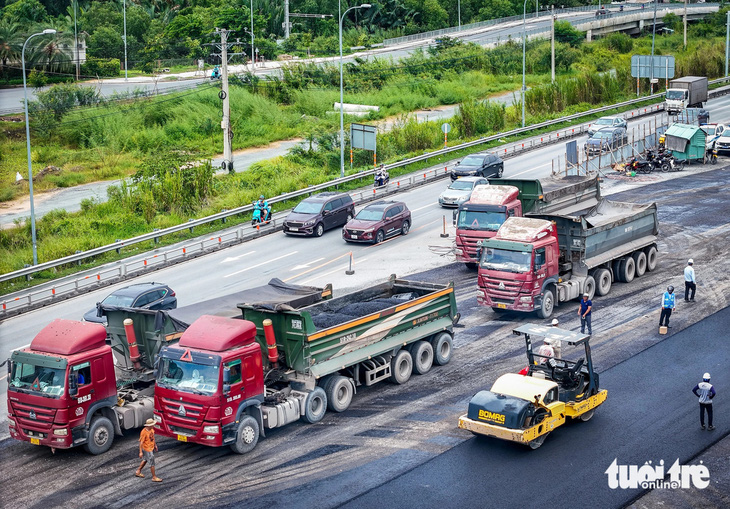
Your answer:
<point x="37" y="79"/>
<point x="107" y="67"/>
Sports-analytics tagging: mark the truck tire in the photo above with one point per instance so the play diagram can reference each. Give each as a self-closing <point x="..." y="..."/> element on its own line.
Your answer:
<point x="339" y="392"/>
<point x="548" y="304"/>
<point x="401" y="367"/>
<point x="652" y="258"/>
<point x="422" y="354"/>
<point x="315" y="406"/>
<point x="589" y="287"/>
<point x="442" y="348"/>
<point x="603" y="281"/>
<point x="615" y="266"/>
<point x="627" y="269"/>
<point x="639" y="262"/>
<point x="247" y="435"/>
<point x="101" y="436"/>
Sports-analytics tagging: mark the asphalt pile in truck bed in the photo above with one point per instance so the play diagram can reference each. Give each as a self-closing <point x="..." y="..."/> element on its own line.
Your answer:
<point x="325" y="319"/>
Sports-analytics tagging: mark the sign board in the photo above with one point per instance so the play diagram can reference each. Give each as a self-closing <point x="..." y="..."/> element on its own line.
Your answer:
<point x="446" y="128"/>
<point x="641" y="66"/>
<point x="571" y="152"/>
<point x="363" y="136"/>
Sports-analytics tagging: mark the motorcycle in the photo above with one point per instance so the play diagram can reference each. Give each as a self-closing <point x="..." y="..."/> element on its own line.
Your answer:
<point x="261" y="214"/>
<point x="640" y="165"/>
<point x="216" y="74"/>
<point x="381" y="177"/>
<point x="667" y="162"/>
<point x="711" y="154"/>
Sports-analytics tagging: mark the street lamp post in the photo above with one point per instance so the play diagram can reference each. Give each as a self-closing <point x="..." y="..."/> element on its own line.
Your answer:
<point x="76" y="42"/>
<point x="253" y="62"/>
<point x="653" y="36"/>
<point x="459" y="11"/>
<point x="124" y="12"/>
<point x="27" y="139"/>
<point x="524" y="38"/>
<point x="342" y="98"/>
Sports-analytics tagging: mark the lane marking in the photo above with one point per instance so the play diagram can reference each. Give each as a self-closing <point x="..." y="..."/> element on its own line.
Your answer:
<point x="260" y="264"/>
<point x="424" y="207"/>
<point x="310" y="281"/>
<point x="234" y="258"/>
<point x="531" y="169"/>
<point x="306" y="265"/>
<point x="317" y="267"/>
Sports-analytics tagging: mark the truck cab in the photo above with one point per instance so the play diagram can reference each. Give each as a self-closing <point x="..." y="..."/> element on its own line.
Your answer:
<point x="210" y="382"/>
<point x="62" y="387"/>
<point x="517" y="264"/>
<point x="481" y="216"/>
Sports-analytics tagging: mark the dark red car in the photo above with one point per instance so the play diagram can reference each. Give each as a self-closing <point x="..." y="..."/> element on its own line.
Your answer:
<point x="377" y="222"/>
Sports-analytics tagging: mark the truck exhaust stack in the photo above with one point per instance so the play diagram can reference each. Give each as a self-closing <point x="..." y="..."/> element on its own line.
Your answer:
<point x="132" y="341"/>
<point x="271" y="342"/>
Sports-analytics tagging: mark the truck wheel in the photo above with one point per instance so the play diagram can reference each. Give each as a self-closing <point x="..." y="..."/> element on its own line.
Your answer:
<point x="548" y="303"/>
<point x="627" y="269"/>
<point x="603" y="281"/>
<point x="442" y="348"/>
<point x="401" y="367"/>
<point x="101" y="436"/>
<point x="616" y="266"/>
<point x="422" y="353"/>
<point x="589" y="287"/>
<point x="247" y="435"/>
<point x="652" y="257"/>
<point x="339" y="393"/>
<point x="639" y="262"/>
<point x="315" y="406"/>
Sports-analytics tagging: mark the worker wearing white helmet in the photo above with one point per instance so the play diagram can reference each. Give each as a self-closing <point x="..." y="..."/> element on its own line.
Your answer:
<point x="555" y="343"/>
<point x="705" y="392"/>
<point x="690" y="281"/>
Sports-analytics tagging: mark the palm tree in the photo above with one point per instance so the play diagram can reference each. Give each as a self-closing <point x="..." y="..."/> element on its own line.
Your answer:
<point x="10" y="42"/>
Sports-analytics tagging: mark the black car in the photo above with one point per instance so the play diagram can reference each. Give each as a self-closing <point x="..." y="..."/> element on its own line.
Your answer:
<point x="483" y="164"/>
<point x="140" y="295"/>
<point x="323" y="211"/>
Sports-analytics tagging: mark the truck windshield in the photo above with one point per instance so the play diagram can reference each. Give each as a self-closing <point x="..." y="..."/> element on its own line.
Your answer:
<point x="506" y="261"/>
<point x="188" y="376"/>
<point x="48" y="382"/>
<point x="675" y="95"/>
<point x="480" y="220"/>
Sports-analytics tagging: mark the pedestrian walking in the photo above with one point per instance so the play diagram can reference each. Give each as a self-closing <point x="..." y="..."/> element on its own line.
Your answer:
<point x="690" y="282"/>
<point x="584" y="311"/>
<point x="705" y="391"/>
<point x="147" y="449"/>
<point x="667" y="307"/>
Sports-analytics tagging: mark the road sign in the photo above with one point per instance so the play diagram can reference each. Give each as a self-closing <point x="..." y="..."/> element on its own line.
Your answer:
<point x="641" y="66"/>
<point x="363" y="136"/>
<point x="446" y="128"/>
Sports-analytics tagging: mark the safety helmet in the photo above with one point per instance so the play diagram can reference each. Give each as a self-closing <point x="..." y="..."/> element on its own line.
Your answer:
<point x="586" y="295"/>
<point x="555" y="321"/>
<point x="670" y="288"/>
<point x="706" y="377"/>
<point x="690" y="261"/>
<point x="261" y="197"/>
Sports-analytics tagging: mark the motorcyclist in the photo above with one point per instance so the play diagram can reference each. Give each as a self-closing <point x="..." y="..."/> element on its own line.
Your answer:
<point x="263" y="206"/>
<point x="216" y="72"/>
<point x="381" y="176"/>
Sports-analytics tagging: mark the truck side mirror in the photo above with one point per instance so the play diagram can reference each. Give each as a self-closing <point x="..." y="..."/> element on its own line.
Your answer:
<point x="73" y="383"/>
<point x="10" y="369"/>
<point x="479" y="254"/>
<point x="226" y="375"/>
<point x="454" y="215"/>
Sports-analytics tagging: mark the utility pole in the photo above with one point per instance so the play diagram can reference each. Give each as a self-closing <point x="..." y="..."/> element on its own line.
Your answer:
<point x="124" y="11"/>
<point x="653" y="36"/>
<point x="226" y="122"/>
<point x="552" y="42"/>
<point x="286" y="19"/>
<point x="685" y="25"/>
<point x="76" y="42"/>
<point x="727" y="42"/>
<point x="253" y="61"/>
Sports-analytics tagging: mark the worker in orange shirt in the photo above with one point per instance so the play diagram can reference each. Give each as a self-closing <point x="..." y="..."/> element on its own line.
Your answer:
<point x="147" y="449"/>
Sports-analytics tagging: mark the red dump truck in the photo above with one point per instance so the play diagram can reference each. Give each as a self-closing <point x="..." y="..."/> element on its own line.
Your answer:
<point x="480" y="217"/>
<point x="534" y="263"/>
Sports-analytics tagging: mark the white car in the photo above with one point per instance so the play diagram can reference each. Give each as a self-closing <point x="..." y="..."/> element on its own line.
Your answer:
<point x="722" y="144"/>
<point x="460" y="190"/>
<point x="606" y="122"/>
<point x="713" y="131"/>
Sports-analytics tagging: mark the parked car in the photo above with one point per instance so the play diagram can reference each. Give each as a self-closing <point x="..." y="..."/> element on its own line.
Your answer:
<point x="602" y="11"/>
<point x="713" y="131"/>
<point x="608" y="138"/>
<point x="606" y="122"/>
<point x="460" y="190"/>
<point x="483" y="164"/>
<point x="320" y="212"/>
<point x="377" y="222"/>
<point x="722" y="144"/>
<point x="139" y="295"/>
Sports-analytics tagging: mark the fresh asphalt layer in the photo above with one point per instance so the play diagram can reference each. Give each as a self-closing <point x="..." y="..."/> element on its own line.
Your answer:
<point x="650" y="415"/>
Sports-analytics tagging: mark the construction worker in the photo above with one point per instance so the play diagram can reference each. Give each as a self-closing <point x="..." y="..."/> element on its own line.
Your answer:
<point x="555" y="343"/>
<point x="705" y="391"/>
<point x="546" y="351"/>
<point x="667" y="307"/>
<point x="584" y="311"/>
<point x="690" y="282"/>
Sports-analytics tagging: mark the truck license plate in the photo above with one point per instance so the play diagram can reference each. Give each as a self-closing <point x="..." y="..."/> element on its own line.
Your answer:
<point x="502" y="306"/>
<point x="35" y="441"/>
<point x="182" y="438"/>
<point x="294" y="229"/>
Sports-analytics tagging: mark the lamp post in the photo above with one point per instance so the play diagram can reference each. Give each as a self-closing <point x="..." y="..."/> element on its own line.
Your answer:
<point x="459" y="11"/>
<point x="27" y="139"/>
<point x="524" y="38"/>
<point x="253" y="62"/>
<point x="653" y="36"/>
<point x="76" y="42"/>
<point x="342" y="98"/>
<point x="124" y="13"/>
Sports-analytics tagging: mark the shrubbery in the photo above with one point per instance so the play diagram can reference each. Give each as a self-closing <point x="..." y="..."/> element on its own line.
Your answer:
<point x="102" y="67"/>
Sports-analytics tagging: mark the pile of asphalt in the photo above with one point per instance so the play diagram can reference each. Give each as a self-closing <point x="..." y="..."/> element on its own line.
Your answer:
<point x="325" y="320"/>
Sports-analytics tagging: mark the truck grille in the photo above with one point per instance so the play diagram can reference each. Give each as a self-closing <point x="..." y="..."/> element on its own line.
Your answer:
<point x="192" y="411"/>
<point x="469" y="243"/>
<point x="35" y="416"/>
<point x="502" y="290"/>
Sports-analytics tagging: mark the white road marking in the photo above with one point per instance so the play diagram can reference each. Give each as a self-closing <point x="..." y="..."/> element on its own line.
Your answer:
<point x="234" y="258"/>
<point x="306" y="265"/>
<point x="260" y="264"/>
<point x="531" y="169"/>
<point x="424" y="207"/>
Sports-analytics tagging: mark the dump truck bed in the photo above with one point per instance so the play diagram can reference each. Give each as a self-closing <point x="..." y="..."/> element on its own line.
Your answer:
<point x="328" y="336"/>
<point x="552" y="195"/>
<point x="605" y="232"/>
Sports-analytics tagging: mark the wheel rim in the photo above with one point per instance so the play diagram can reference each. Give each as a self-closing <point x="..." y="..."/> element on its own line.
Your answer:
<point x="101" y="435"/>
<point x="445" y="349"/>
<point x="320" y="230"/>
<point x="406" y="227"/>
<point x="247" y="435"/>
<point x="316" y="405"/>
<point x="342" y="393"/>
<point x="379" y="237"/>
<point x="548" y="304"/>
<point x="403" y="368"/>
<point x="425" y="357"/>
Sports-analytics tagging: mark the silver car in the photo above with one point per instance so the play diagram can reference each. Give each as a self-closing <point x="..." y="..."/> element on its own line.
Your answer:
<point x="606" y="122"/>
<point x="460" y="190"/>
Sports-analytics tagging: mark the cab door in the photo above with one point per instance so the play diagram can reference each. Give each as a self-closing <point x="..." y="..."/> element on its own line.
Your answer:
<point x="541" y="264"/>
<point x="235" y="395"/>
<point x="86" y="393"/>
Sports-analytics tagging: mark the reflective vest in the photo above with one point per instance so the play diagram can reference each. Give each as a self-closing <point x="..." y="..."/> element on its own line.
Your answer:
<point x="668" y="300"/>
